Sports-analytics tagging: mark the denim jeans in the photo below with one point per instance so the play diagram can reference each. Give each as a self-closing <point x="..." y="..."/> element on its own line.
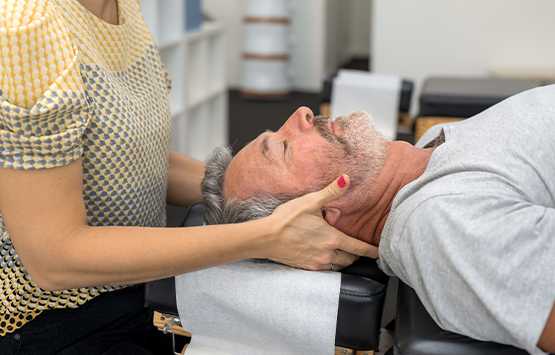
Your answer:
<point x="112" y="323"/>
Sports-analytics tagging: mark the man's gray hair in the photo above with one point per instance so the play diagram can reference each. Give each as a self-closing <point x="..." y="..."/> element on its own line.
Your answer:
<point x="219" y="211"/>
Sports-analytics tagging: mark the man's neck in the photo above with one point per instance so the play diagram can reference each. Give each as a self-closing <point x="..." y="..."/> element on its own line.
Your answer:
<point x="404" y="164"/>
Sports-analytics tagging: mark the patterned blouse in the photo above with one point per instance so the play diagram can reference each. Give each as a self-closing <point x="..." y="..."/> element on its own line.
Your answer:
<point x="74" y="86"/>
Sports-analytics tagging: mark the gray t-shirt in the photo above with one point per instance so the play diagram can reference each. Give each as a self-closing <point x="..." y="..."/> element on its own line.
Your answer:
<point x="475" y="234"/>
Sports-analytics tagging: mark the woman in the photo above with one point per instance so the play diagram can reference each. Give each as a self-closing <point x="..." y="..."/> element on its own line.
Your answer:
<point x="86" y="168"/>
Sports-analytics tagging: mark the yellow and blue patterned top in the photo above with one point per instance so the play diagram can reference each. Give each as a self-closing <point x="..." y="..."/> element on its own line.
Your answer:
<point x="74" y="86"/>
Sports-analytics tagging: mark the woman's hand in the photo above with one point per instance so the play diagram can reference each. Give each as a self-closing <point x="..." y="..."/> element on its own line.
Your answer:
<point x="303" y="239"/>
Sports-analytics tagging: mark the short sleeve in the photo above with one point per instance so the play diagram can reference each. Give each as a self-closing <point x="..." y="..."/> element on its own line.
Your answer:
<point x="43" y="107"/>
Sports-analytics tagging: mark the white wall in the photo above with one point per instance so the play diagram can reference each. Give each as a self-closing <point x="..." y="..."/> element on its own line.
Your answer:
<point x="338" y="37"/>
<point x="230" y="13"/>
<point x="358" y="20"/>
<point x="417" y="39"/>
<point x="327" y="31"/>
<point x="308" y="56"/>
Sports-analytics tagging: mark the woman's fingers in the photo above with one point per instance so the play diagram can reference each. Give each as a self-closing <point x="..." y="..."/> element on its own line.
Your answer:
<point x="348" y="244"/>
<point x="340" y="259"/>
<point x="358" y="247"/>
<point x="305" y="240"/>
<point x="331" y="192"/>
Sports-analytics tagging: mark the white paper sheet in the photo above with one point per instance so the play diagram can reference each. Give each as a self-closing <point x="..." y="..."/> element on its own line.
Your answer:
<point x="377" y="94"/>
<point x="259" y="308"/>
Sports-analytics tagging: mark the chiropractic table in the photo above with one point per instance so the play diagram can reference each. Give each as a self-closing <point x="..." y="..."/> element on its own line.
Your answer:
<point x="361" y="300"/>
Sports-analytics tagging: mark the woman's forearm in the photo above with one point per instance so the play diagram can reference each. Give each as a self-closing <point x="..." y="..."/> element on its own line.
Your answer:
<point x="111" y="255"/>
<point x="184" y="177"/>
<point x="295" y="234"/>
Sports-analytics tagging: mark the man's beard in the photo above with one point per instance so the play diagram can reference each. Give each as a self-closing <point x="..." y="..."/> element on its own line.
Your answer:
<point x="359" y="152"/>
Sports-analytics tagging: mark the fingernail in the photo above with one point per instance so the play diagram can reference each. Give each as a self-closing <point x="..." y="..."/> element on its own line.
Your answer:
<point x="341" y="182"/>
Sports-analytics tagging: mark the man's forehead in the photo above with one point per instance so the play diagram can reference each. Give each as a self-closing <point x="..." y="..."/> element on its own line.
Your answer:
<point x="233" y="175"/>
<point x="246" y="173"/>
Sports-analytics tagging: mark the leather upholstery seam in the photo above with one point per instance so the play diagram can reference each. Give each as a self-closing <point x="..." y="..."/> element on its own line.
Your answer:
<point x="361" y="294"/>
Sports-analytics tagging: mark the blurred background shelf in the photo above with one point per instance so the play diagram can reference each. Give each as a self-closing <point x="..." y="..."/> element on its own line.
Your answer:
<point x="195" y="62"/>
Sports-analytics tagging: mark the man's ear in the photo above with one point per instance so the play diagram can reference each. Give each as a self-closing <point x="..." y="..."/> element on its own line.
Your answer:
<point x="331" y="215"/>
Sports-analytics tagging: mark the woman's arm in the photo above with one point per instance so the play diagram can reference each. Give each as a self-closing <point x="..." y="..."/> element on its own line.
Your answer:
<point x="184" y="177"/>
<point x="45" y="216"/>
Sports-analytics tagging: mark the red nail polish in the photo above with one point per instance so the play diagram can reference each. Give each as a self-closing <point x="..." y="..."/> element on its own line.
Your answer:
<point x="341" y="182"/>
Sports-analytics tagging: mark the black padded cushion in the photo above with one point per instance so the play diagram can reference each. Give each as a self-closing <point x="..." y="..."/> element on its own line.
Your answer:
<point x="361" y="299"/>
<point x="368" y="268"/>
<point x="359" y="313"/>
<point x="416" y="333"/>
<point x="194" y="216"/>
<point x="466" y="97"/>
<point x="160" y="296"/>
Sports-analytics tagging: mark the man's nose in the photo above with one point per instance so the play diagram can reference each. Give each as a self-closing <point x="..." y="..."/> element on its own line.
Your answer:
<point x="301" y="121"/>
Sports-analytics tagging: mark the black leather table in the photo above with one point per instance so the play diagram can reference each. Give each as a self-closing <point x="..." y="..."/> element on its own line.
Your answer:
<point x="416" y="333"/>
<point x="466" y="97"/>
<point x="450" y="99"/>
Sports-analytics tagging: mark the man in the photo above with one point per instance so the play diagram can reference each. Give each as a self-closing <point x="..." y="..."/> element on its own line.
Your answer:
<point x="466" y="218"/>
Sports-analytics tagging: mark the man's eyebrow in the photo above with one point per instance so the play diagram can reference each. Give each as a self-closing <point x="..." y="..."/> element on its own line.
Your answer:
<point x="265" y="148"/>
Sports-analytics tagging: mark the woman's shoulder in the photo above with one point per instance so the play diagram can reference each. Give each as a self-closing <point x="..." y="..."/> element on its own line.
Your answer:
<point x="25" y="25"/>
<point x="35" y="49"/>
<point x="17" y="15"/>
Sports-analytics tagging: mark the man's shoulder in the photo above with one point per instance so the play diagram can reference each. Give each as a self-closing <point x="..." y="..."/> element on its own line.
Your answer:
<point x="456" y="208"/>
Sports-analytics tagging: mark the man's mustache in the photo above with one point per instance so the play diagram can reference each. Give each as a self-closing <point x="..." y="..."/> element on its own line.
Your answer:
<point x="321" y="124"/>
